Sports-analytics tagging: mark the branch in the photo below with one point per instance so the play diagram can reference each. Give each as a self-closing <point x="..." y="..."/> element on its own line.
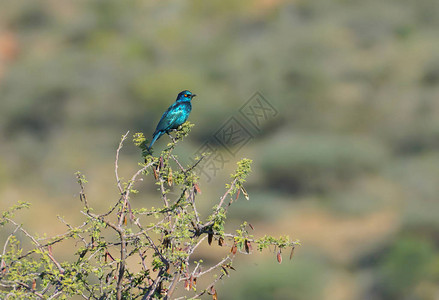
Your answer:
<point x="215" y="266"/>
<point x="178" y="163"/>
<point x="61" y="270"/>
<point x="2" y="263"/>
<point x="30" y="289"/>
<point x="232" y="185"/>
<point x="173" y="285"/>
<point x="116" y="166"/>
<point x="195" y="164"/>
<point x="153" y="287"/>
<point x="121" y="272"/>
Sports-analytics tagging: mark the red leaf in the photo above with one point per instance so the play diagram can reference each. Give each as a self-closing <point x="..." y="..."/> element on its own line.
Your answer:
<point x="34" y="284"/>
<point x="197" y="188"/>
<point x="156" y="176"/>
<point x="237" y="195"/>
<point x="234" y="249"/>
<point x="3" y="266"/>
<point x="220" y="242"/>
<point x="109" y="255"/>
<point x="186" y="285"/>
<point x="279" y="257"/>
<point x="191" y="281"/>
<point x="161" y="162"/>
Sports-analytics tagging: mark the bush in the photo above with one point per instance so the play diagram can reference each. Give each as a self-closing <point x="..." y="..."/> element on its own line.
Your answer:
<point x="162" y="240"/>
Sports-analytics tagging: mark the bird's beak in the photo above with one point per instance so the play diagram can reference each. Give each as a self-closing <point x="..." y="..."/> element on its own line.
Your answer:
<point x="193" y="96"/>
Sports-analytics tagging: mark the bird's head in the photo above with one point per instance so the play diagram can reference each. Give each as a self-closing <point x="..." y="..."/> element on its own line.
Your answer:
<point x="185" y="96"/>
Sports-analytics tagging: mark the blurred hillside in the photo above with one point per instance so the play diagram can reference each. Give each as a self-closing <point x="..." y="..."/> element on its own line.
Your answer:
<point x="349" y="165"/>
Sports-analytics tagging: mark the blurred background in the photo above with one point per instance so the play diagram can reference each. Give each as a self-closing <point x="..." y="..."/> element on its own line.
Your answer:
<point x="349" y="165"/>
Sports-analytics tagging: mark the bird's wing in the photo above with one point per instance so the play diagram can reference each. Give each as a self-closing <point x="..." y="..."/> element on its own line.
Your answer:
<point x="174" y="112"/>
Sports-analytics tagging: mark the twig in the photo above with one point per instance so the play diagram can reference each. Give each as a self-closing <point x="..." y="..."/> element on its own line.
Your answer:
<point x="116" y="166"/>
<point x="208" y="270"/>
<point x="151" y="242"/>
<point x="39" y="246"/>
<point x="220" y="204"/>
<point x="209" y="287"/>
<point x="192" y="196"/>
<point x="71" y="229"/>
<point x="127" y="192"/>
<point x="54" y="296"/>
<point x="178" y="163"/>
<point x="215" y="266"/>
<point x="123" y="252"/>
<point x="145" y="268"/>
<point x="196" y="163"/>
<point x="2" y="264"/>
<point x="173" y="284"/>
<point x="30" y="289"/>
<point x="232" y="185"/>
<point x="153" y="287"/>
<point x="58" y="238"/>
<point x="163" y="192"/>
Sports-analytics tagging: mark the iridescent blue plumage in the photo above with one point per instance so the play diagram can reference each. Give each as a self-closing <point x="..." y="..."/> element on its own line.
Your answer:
<point x="175" y="116"/>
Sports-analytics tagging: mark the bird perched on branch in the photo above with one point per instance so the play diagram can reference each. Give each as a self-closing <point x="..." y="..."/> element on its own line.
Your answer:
<point x="175" y="116"/>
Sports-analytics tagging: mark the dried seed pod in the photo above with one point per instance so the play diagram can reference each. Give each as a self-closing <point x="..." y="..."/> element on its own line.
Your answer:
<point x="279" y="257"/>
<point x="292" y="252"/>
<point x="197" y="188"/>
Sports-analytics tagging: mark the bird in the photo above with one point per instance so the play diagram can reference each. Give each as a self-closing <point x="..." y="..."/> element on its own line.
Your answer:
<point x="174" y="116"/>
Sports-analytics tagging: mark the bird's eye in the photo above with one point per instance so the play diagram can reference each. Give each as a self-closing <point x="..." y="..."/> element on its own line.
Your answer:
<point x="187" y="95"/>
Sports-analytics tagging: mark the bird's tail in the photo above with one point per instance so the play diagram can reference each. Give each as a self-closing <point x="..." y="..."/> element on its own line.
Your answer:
<point x="154" y="138"/>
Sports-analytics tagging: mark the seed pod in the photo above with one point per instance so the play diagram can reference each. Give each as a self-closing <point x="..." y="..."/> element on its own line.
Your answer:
<point x="292" y="252"/>
<point x="279" y="257"/>
<point x="170" y="177"/>
<point x="234" y="249"/>
<point x="197" y="188"/>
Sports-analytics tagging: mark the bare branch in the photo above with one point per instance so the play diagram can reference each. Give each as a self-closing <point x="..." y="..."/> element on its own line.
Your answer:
<point x="173" y="285"/>
<point x="153" y="287"/>
<point x="195" y="164"/>
<point x="39" y="246"/>
<point x="116" y="163"/>
<point x="2" y="263"/>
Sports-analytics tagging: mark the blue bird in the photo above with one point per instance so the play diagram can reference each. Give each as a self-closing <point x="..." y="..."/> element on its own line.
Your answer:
<point x="175" y="116"/>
